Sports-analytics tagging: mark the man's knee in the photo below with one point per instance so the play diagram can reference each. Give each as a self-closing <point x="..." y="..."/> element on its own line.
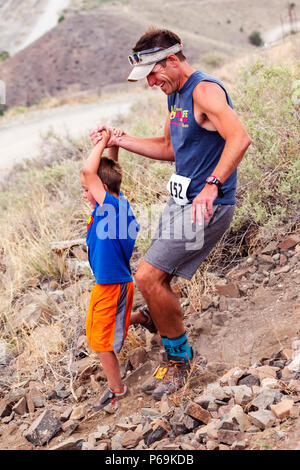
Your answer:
<point x="148" y="278"/>
<point x="143" y="279"/>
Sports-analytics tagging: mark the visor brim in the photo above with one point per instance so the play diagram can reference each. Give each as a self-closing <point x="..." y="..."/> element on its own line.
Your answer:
<point x="140" y="71"/>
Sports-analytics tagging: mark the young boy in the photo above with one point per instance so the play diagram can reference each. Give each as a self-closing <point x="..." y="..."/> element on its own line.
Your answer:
<point x="112" y="230"/>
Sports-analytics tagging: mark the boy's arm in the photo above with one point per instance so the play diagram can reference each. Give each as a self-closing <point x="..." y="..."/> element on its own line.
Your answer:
<point x="113" y="153"/>
<point x="90" y="169"/>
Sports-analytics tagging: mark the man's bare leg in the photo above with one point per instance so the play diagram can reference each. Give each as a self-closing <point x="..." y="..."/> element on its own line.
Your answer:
<point x="163" y="305"/>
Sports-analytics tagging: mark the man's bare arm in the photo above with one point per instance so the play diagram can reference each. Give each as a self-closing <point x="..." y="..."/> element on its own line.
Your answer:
<point x="211" y="100"/>
<point x="158" y="148"/>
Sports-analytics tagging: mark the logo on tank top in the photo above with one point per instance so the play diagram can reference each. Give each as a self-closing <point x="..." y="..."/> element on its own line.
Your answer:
<point x="179" y="117"/>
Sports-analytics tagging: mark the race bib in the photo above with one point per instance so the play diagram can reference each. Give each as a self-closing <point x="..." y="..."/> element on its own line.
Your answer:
<point x="177" y="187"/>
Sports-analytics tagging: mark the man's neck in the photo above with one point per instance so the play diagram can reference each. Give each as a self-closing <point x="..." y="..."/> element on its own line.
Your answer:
<point x="186" y="72"/>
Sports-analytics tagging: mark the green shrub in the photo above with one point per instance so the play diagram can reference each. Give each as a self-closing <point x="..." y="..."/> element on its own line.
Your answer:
<point x="4" y="55"/>
<point x="255" y="38"/>
<point x="269" y="175"/>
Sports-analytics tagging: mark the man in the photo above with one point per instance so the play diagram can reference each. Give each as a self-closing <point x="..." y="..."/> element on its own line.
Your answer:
<point x="207" y="141"/>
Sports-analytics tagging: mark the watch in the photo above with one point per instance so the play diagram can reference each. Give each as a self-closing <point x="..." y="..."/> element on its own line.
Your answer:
<point x="214" y="180"/>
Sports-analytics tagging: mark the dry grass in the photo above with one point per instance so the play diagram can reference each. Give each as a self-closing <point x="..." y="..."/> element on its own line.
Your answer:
<point x="41" y="204"/>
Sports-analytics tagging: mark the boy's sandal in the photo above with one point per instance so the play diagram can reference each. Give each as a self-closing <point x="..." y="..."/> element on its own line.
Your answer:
<point x="150" y="326"/>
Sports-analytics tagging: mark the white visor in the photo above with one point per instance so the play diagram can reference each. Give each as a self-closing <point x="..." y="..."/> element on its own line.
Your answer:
<point x="148" y="61"/>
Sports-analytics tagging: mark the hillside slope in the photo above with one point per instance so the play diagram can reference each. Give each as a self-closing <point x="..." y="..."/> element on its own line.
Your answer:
<point x="89" y="49"/>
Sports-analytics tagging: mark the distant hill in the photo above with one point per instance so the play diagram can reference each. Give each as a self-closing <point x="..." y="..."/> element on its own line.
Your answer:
<point x="88" y="50"/>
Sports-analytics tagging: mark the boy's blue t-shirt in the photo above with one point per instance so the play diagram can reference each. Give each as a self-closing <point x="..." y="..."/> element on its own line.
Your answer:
<point x="111" y="233"/>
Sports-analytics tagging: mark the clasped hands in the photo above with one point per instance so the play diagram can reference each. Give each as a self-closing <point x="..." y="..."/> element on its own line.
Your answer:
<point x="113" y="134"/>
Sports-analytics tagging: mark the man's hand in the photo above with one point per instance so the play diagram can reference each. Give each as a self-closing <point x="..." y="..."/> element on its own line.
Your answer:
<point x="113" y="132"/>
<point x="203" y="204"/>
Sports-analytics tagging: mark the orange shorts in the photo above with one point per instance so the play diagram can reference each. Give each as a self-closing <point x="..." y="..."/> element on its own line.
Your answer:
<point x="108" y="316"/>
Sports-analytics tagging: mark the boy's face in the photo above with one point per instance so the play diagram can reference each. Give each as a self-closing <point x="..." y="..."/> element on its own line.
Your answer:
<point x="86" y="194"/>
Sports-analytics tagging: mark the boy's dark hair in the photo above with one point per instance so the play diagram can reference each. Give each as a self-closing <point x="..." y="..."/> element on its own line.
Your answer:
<point x="155" y="37"/>
<point x="110" y="173"/>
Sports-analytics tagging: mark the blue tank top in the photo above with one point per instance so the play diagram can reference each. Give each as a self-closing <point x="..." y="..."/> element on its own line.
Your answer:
<point x="111" y="233"/>
<point x="197" y="150"/>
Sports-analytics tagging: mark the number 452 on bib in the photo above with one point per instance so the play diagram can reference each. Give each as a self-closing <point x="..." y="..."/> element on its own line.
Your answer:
<point x="177" y="187"/>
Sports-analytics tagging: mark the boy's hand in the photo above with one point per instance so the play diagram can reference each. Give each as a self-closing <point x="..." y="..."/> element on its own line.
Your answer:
<point x="113" y="133"/>
<point x="105" y="136"/>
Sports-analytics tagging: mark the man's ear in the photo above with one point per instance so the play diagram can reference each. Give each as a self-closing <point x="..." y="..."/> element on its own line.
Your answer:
<point x="173" y="60"/>
<point x="105" y="187"/>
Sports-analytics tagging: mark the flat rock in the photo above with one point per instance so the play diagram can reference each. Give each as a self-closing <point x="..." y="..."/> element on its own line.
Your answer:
<point x="190" y="423"/>
<point x="264" y="371"/>
<point x="232" y="376"/>
<point x="78" y="412"/>
<point x="68" y="427"/>
<point x="130" y="439"/>
<point x="69" y="444"/>
<point x="249" y="380"/>
<point x="44" y="428"/>
<point x="238" y="416"/>
<point x="295" y="364"/>
<point x="20" y="407"/>
<point x="196" y="411"/>
<point x="239" y="445"/>
<point x="265" y="399"/>
<point x="230" y="289"/>
<point x="262" y="419"/>
<point x="242" y="394"/>
<point x="66" y="414"/>
<point x="283" y="409"/>
<point x="79" y="366"/>
<point x="206" y="302"/>
<point x="35" y="396"/>
<point x="137" y="356"/>
<point x="157" y="435"/>
<point x="268" y="382"/>
<point x="135" y="377"/>
<point x="103" y="431"/>
<point x="289" y="242"/>
<point x="270" y="248"/>
<point x="229" y="437"/>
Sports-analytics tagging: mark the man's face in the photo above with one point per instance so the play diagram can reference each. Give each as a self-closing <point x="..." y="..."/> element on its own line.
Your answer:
<point x="166" y="78"/>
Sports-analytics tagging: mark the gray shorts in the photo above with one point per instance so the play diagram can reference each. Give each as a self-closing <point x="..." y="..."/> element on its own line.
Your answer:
<point x="178" y="246"/>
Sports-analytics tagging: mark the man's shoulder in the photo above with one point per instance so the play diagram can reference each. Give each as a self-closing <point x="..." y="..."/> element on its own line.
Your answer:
<point x="206" y="93"/>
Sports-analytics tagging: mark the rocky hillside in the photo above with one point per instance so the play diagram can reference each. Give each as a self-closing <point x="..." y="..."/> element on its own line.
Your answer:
<point x="88" y="50"/>
<point x="237" y="404"/>
<point x="88" y="59"/>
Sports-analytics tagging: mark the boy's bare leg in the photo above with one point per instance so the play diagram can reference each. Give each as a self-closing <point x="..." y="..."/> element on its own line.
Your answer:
<point x="163" y="305"/>
<point x="111" y="368"/>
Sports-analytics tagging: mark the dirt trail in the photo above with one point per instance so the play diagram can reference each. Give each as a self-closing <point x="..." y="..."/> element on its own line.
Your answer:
<point x="280" y="31"/>
<point x="45" y="21"/>
<point x="21" y="135"/>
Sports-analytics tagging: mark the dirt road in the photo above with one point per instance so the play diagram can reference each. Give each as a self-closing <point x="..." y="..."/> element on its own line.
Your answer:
<point x="278" y="32"/>
<point x="20" y="136"/>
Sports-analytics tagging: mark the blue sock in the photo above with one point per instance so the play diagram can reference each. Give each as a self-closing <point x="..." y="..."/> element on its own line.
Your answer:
<point x="178" y="347"/>
<point x="165" y="342"/>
